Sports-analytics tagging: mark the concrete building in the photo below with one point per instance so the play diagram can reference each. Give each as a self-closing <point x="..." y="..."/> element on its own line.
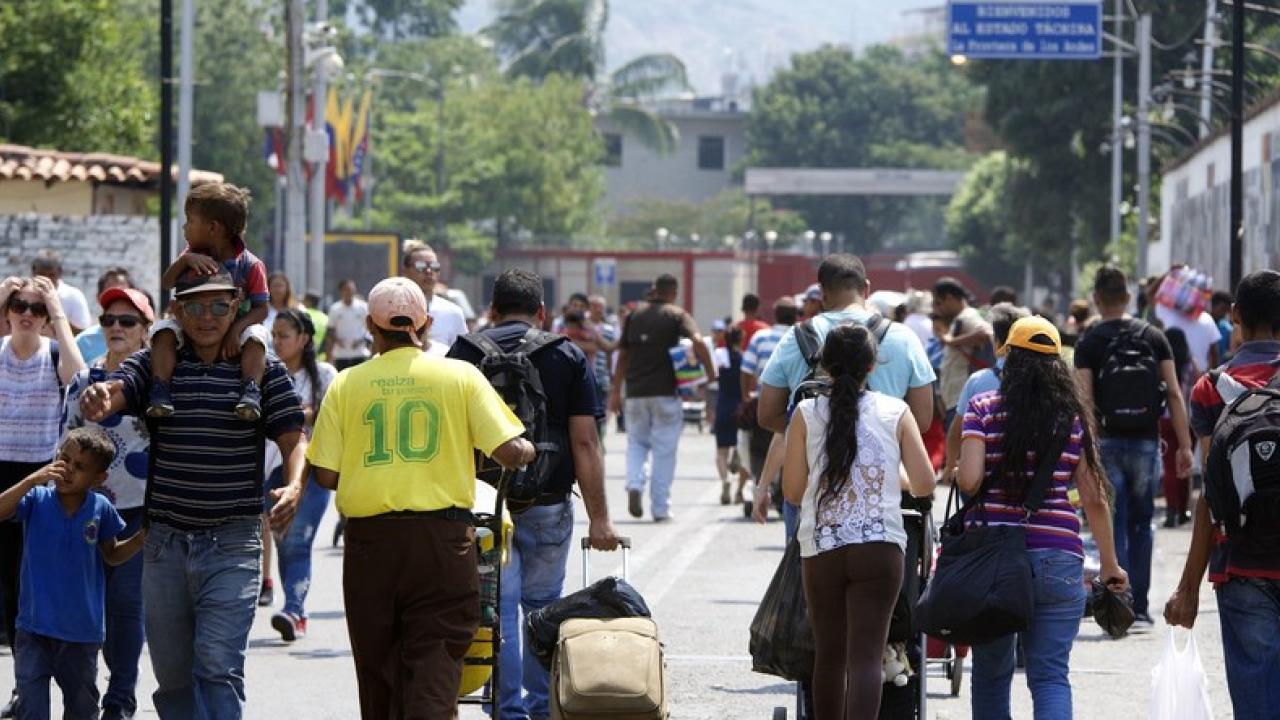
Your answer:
<point x="1195" y="201"/>
<point x="51" y="182"/>
<point x="712" y="141"/>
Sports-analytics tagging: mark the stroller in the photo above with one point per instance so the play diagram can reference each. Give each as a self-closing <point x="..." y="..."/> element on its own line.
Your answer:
<point x="905" y="702"/>
<point x="481" y="665"/>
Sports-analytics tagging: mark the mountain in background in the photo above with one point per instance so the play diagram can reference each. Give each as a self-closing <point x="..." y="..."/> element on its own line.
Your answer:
<point x="751" y="38"/>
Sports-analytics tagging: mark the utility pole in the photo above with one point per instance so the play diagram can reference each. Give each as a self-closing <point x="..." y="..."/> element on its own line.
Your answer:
<point x="166" y="143"/>
<point x="186" y="81"/>
<point x="1117" y="108"/>
<point x="439" y="238"/>
<point x="1144" y="140"/>
<point x="1206" y="67"/>
<point x="1237" y="144"/>
<point x="295" y="245"/>
<point x="315" y="256"/>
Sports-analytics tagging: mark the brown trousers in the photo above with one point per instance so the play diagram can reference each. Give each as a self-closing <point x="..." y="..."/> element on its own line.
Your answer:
<point x="412" y="593"/>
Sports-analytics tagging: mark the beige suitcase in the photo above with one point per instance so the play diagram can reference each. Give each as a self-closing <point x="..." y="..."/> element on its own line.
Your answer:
<point x="608" y="669"/>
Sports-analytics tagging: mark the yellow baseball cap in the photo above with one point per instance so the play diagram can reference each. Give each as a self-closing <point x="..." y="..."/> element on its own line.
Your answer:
<point x="1035" y="334"/>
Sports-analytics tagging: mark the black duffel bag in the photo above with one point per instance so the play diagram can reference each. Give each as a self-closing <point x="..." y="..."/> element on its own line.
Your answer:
<point x="983" y="586"/>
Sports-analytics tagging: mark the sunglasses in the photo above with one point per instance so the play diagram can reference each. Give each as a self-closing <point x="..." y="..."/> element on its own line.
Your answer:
<point x="197" y="310"/>
<point x="20" y="306"/>
<point x="423" y="266"/>
<point x="125" y="321"/>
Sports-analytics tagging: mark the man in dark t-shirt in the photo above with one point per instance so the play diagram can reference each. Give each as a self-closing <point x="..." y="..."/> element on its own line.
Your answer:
<point x="534" y="576"/>
<point x="1131" y="457"/>
<point x="653" y="411"/>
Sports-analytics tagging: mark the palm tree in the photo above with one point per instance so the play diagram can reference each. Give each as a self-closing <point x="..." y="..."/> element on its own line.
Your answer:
<point x="542" y="37"/>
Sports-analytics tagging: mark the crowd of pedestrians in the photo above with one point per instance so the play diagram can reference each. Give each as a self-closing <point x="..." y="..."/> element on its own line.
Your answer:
<point x="197" y="441"/>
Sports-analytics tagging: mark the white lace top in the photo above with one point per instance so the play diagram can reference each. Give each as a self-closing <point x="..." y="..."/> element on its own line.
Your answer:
<point x="869" y="508"/>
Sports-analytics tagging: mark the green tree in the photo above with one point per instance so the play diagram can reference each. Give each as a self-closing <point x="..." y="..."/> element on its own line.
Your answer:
<point x="521" y="164"/>
<point x="540" y="38"/>
<point x="980" y="218"/>
<point x="831" y="108"/>
<point x="401" y="19"/>
<point x="72" y="77"/>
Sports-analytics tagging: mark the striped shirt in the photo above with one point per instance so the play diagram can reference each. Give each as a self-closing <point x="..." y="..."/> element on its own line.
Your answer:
<point x="1055" y="526"/>
<point x="30" y="404"/>
<point x="603" y="371"/>
<point x="760" y="349"/>
<point x="206" y="459"/>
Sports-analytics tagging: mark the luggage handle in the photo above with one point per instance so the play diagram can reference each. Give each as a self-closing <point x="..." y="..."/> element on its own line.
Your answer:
<point x="623" y="542"/>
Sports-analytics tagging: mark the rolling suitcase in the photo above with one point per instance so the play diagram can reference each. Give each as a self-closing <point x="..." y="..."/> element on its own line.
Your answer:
<point x="608" y="668"/>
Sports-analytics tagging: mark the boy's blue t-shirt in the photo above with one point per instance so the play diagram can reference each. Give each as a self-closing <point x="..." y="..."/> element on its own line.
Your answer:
<point x="902" y="365"/>
<point x="63" y="573"/>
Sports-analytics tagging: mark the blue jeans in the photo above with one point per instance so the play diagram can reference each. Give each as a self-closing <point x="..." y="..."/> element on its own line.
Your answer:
<point x="1060" y="595"/>
<point x="532" y="579"/>
<point x="201" y="591"/>
<point x="1249" y="610"/>
<point x="653" y="437"/>
<point x="74" y="666"/>
<point x="294" y="549"/>
<point x="122" y="648"/>
<point x="1134" y="469"/>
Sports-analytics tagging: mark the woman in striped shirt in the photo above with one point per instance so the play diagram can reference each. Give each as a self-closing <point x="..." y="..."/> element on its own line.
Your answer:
<point x="1005" y="431"/>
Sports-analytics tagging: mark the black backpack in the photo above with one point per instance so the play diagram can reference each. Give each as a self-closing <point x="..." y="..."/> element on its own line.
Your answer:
<point x="1242" y="474"/>
<point x="517" y="380"/>
<point x="810" y="345"/>
<point x="1129" y="390"/>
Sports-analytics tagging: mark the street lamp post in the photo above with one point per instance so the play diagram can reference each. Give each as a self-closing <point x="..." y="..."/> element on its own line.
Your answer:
<point x="1237" y="144"/>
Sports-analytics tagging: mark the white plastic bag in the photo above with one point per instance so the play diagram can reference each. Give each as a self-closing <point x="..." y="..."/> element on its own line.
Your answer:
<point x="1179" y="690"/>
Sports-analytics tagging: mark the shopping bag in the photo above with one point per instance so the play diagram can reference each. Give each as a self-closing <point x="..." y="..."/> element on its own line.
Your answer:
<point x="1179" y="690"/>
<point x="781" y="636"/>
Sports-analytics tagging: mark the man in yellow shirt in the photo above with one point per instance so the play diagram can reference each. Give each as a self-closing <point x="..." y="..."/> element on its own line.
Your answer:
<point x="396" y="438"/>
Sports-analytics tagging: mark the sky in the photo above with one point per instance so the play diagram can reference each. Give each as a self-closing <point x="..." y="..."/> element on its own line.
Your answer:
<point x="748" y="37"/>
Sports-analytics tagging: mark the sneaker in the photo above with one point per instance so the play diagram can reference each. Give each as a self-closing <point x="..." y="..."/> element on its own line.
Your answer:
<point x="726" y="496"/>
<point x="663" y="519"/>
<point x="290" y="626"/>
<point x="160" y="405"/>
<point x="111" y="712"/>
<point x="11" y="708"/>
<point x="267" y="594"/>
<point x="249" y="409"/>
<point x="1143" y="619"/>
<point x="635" y="503"/>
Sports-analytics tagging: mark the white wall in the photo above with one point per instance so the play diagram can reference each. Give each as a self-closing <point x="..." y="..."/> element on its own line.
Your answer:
<point x="89" y="245"/>
<point x="675" y="176"/>
<point x="1195" y="204"/>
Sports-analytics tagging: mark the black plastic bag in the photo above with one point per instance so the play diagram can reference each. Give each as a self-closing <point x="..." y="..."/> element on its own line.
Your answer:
<point x="1112" y="610"/>
<point x="781" y="636"/>
<point x="605" y="599"/>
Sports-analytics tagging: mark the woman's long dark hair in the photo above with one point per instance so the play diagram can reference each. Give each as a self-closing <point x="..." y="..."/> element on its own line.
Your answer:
<point x="1042" y="402"/>
<point x="301" y="322"/>
<point x="848" y="356"/>
<point x="733" y="343"/>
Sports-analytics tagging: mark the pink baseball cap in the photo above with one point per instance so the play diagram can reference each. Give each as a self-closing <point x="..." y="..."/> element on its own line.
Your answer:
<point x="134" y="297"/>
<point x="397" y="304"/>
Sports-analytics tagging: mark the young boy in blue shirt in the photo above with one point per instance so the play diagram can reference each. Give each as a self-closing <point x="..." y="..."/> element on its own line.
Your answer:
<point x="66" y="526"/>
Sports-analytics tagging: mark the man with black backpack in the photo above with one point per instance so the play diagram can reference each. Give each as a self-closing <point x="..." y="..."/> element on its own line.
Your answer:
<point x="1236" y="532"/>
<point x="1125" y="369"/>
<point x="549" y="379"/>
<point x="903" y="369"/>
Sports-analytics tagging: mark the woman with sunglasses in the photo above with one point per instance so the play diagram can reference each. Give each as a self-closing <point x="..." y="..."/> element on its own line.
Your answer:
<point x="126" y="319"/>
<point x="293" y="336"/>
<point x="33" y="371"/>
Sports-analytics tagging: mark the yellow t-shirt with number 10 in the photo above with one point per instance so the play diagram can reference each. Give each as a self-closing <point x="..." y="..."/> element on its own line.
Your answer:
<point x="401" y="430"/>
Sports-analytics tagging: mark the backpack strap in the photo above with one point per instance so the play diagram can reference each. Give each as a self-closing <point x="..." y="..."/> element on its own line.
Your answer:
<point x="878" y="325"/>
<point x="483" y="343"/>
<point x="1230" y="389"/>
<point x="808" y="343"/>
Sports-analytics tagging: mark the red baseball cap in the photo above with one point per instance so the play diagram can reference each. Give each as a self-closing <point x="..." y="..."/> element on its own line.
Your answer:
<point x="134" y="297"/>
